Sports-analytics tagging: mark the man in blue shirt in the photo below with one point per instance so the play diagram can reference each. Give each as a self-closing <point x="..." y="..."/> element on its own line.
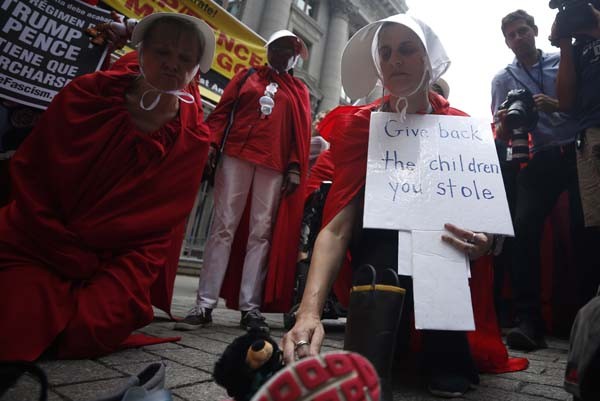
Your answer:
<point x="550" y="170"/>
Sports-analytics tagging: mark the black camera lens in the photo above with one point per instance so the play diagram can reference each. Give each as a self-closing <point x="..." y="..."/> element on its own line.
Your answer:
<point x="516" y="116"/>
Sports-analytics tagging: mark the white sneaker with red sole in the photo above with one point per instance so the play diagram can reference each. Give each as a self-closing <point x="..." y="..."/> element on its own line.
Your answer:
<point x="333" y="376"/>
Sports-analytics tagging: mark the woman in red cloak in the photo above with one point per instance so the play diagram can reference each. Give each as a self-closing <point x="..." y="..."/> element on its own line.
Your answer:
<point x="102" y="188"/>
<point x="250" y="254"/>
<point x="407" y="57"/>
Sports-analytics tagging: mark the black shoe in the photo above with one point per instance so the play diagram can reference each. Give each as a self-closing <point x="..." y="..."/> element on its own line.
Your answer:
<point x="11" y="372"/>
<point x="197" y="317"/>
<point x="448" y="385"/>
<point x="526" y="337"/>
<point x="253" y="320"/>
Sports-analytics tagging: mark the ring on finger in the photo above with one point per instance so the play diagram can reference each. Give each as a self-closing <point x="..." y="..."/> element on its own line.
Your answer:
<point x="472" y="239"/>
<point x="300" y="344"/>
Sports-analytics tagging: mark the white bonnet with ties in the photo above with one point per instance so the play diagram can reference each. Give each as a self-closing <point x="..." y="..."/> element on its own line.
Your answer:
<point x="359" y="71"/>
<point x="206" y="37"/>
<point x="284" y="33"/>
<point x="204" y="31"/>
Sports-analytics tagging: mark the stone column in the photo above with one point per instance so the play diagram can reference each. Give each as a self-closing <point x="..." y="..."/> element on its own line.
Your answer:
<point x="252" y="13"/>
<point x="275" y="16"/>
<point x="337" y="36"/>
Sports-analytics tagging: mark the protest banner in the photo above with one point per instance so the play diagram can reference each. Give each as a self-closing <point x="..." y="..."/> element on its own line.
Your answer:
<point x="43" y="47"/>
<point x="237" y="45"/>
<point x="429" y="170"/>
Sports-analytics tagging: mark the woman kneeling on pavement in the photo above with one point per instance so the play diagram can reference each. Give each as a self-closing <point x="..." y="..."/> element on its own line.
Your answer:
<point x="102" y="188"/>
<point x="407" y="57"/>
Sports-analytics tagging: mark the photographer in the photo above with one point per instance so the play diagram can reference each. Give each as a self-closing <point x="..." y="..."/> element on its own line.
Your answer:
<point x="549" y="171"/>
<point x="578" y="91"/>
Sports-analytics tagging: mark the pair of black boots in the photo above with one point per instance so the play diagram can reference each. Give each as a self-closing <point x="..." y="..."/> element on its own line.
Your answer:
<point x="374" y="314"/>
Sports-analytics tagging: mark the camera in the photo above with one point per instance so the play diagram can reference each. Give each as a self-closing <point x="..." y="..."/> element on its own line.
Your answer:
<point x="573" y="16"/>
<point x="521" y="118"/>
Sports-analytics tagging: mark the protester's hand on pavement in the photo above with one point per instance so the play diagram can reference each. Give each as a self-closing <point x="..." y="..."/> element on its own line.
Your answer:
<point x="545" y="103"/>
<point x="304" y="339"/>
<point x="472" y="243"/>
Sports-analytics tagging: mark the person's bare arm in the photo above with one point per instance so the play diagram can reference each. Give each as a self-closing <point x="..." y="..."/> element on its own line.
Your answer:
<point x="566" y="80"/>
<point x="328" y="255"/>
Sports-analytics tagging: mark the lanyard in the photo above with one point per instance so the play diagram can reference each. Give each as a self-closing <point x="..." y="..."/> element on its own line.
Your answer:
<point x="540" y="83"/>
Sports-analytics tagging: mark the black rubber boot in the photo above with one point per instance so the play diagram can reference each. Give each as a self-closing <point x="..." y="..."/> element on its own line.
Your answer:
<point x="373" y="316"/>
<point x="448" y="362"/>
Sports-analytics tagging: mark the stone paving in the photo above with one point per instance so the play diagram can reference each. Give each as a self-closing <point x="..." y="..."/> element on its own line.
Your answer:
<point x="190" y="361"/>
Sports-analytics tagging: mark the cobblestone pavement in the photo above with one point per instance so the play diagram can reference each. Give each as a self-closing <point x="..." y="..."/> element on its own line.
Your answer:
<point x="190" y="362"/>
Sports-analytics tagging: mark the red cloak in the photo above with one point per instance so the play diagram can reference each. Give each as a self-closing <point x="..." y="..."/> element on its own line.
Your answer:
<point x="349" y="149"/>
<point x="321" y="171"/>
<point x="92" y="236"/>
<point x="279" y="283"/>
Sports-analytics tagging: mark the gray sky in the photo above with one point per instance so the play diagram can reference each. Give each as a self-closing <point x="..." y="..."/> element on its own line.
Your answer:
<point x="470" y="32"/>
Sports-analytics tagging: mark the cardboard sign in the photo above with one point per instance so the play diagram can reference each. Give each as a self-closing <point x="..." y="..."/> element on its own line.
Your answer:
<point x="442" y="297"/>
<point x="429" y="170"/>
<point x="43" y="47"/>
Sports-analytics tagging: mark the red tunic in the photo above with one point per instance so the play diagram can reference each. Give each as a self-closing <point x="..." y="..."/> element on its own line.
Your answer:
<point x="279" y="284"/>
<point x="92" y="237"/>
<point x="321" y="171"/>
<point x="349" y="148"/>
<point x="269" y="142"/>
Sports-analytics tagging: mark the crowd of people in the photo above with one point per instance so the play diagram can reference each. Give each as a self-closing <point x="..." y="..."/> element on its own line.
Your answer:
<point x="102" y="186"/>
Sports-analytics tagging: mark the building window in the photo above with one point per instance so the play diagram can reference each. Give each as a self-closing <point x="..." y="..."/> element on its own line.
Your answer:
<point x="309" y="7"/>
<point x="234" y="7"/>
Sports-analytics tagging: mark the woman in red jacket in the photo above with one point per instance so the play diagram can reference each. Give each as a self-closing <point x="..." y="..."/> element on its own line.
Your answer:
<point x="264" y="161"/>
<point x="407" y="56"/>
<point x="102" y="188"/>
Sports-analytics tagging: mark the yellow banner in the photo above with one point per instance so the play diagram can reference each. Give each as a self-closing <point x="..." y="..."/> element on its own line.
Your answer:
<point x="237" y="45"/>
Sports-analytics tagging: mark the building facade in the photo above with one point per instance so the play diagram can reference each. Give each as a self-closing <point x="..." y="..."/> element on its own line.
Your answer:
<point x="324" y="25"/>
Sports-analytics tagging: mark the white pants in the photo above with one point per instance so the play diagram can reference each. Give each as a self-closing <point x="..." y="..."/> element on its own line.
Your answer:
<point x="234" y="180"/>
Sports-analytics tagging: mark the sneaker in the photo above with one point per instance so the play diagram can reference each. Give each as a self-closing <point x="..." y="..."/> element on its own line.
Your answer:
<point x="525" y="337"/>
<point x="449" y="385"/>
<point x="253" y="320"/>
<point x="197" y="317"/>
<point x="338" y="375"/>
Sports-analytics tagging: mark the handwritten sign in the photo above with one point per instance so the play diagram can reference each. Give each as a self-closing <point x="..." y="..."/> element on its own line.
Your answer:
<point x="429" y="170"/>
<point x="43" y="47"/>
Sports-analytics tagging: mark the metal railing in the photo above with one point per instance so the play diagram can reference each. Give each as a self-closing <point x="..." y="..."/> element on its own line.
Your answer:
<point x="198" y="225"/>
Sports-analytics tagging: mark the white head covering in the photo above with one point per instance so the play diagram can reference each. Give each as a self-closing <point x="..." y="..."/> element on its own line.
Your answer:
<point x="292" y="61"/>
<point x="204" y="31"/>
<point x="285" y="33"/>
<point x="207" y="42"/>
<point x="359" y="71"/>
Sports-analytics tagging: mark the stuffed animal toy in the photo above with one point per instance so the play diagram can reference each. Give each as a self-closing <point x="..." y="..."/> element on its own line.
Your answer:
<point x="247" y="363"/>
